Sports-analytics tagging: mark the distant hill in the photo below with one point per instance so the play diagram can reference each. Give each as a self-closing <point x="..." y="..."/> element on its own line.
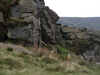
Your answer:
<point x="89" y="22"/>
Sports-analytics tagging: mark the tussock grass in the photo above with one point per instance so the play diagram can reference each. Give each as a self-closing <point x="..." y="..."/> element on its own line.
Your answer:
<point x="19" y="63"/>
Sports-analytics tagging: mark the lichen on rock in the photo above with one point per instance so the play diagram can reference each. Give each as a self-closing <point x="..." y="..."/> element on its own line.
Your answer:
<point x="32" y="21"/>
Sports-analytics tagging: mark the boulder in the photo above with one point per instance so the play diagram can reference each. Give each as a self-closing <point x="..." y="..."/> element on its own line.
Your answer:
<point x="32" y="21"/>
<point x="83" y="42"/>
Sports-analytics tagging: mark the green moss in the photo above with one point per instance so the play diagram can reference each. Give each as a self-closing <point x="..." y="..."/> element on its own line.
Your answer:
<point x="62" y="51"/>
<point x="9" y="49"/>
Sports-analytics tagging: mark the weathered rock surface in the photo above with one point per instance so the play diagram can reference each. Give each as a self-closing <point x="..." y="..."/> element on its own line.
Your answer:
<point x="32" y="21"/>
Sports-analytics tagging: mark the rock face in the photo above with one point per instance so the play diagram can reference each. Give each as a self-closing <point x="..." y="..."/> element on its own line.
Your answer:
<point x="32" y="21"/>
<point x="83" y="42"/>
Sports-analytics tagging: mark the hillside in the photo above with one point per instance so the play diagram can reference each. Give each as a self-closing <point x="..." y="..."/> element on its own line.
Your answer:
<point x="89" y="22"/>
<point x="17" y="60"/>
<point x="32" y="43"/>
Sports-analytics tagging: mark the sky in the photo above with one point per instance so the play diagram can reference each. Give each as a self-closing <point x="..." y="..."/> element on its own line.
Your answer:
<point x="75" y="8"/>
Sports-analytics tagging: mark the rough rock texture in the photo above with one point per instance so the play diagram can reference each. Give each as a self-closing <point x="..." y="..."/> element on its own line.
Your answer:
<point x="3" y="29"/>
<point x="83" y="42"/>
<point x="32" y="21"/>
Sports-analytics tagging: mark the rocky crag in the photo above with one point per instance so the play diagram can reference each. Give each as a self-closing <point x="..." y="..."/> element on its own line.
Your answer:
<point x="83" y="42"/>
<point x="82" y="36"/>
<point x="28" y="20"/>
<point x="34" y="23"/>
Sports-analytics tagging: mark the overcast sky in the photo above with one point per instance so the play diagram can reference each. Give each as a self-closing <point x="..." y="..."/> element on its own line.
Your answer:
<point x="75" y="8"/>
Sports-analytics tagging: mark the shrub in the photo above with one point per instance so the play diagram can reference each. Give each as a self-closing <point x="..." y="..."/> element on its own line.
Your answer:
<point x="62" y="51"/>
<point x="9" y="49"/>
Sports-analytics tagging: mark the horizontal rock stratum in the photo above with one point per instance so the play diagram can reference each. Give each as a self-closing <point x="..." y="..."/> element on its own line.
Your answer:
<point x="29" y="20"/>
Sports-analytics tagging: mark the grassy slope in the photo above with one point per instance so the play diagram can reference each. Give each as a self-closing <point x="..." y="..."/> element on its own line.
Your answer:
<point x="19" y="63"/>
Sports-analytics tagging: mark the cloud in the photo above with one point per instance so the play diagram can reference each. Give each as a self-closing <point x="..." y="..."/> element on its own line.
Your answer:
<point x="75" y="8"/>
